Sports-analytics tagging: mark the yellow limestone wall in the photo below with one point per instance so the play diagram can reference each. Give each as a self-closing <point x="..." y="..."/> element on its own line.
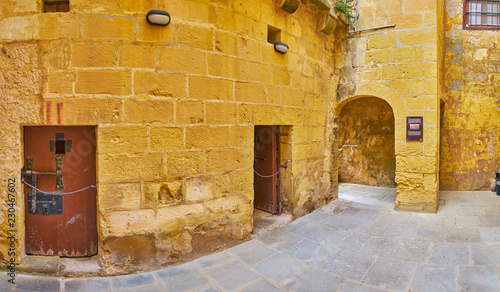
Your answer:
<point x="174" y="109"/>
<point x="470" y="139"/>
<point x="400" y="65"/>
<point x="366" y="135"/>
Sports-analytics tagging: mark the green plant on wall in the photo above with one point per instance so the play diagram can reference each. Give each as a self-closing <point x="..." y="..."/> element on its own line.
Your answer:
<point x="345" y="6"/>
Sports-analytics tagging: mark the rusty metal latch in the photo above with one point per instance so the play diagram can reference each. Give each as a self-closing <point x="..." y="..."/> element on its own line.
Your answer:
<point x="40" y="202"/>
<point x="44" y="204"/>
<point x="30" y="175"/>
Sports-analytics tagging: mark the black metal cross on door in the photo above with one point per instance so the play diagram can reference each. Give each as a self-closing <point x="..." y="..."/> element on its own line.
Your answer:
<point x="59" y="145"/>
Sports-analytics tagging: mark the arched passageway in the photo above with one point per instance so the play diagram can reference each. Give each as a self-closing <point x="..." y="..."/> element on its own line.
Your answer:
<point x="366" y="143"/>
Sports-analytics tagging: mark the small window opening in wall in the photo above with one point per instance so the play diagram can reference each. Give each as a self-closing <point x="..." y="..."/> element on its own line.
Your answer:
<point x="273" y="34"/>
<point x="56" y="6"/>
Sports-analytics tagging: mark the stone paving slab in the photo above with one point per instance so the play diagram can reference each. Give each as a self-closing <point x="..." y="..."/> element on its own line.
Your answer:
<point x="358" y="287"/>
<point x="430" y="278"/>
<point x="314" y="231"/>
<point x="132" y="281"/>
<point x="182" y="278"/>
<point x="252" y="252"/>
<point x="280" y="267"/>
<point x="263" y="285"/>
<point x="450" y="254"/>
<point x="5" y="285"/>
<point x="29" y="283"/>
<point x="321" y="281"/>
<point x="350" y="264"/>
<point x="478" y="278"/>
<point x="87" y="285"/>
<point x="390" y="274"/>
<point x="411" y="250"/>
<point x="232" y="276"/>
<point x="356" y="243"/>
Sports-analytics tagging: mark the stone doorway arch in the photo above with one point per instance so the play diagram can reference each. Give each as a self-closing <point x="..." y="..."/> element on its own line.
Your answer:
<point x="366" y="143"/>
<point x="416" y="162"/>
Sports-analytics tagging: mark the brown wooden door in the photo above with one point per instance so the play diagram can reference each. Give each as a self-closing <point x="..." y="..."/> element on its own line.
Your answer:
<point x="266" y="164"/>
<point x="71" y="230"/>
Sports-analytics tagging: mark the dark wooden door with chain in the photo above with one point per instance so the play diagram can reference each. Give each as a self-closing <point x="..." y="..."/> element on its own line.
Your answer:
<point x="59" y="160"/>
<point x="266" y="164"/>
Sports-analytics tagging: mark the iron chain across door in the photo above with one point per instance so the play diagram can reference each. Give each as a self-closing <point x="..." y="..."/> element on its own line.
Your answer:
<point x="60" y="160"/>
<point x="266" y="163"/>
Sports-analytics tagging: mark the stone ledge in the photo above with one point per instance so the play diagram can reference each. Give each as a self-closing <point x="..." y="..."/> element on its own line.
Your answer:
<point x="328" y="16"/>
<point x="322" y="4"/>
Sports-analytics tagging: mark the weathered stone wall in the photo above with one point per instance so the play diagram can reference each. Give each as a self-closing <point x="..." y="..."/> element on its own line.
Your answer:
<point x="20" y="103"/>
<point x="470" y="140"/>
<point x="400" y="65"/>
<point x="366" y="143"/>
<point x="175" y="109"/>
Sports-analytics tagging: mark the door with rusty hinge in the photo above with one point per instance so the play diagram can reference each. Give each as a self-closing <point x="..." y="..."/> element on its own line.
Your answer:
<point x="266" y="161"/>
<point x="60" y="159"/>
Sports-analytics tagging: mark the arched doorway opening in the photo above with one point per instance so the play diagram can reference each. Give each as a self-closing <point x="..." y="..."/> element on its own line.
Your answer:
<point x="366" y="143"/>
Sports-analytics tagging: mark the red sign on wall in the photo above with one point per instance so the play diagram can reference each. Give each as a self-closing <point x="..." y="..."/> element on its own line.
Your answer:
<point x="414" y="128"/>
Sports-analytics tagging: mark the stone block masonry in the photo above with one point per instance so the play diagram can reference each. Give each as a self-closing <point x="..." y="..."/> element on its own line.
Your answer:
<point x="470" y="147"/>
<point x="400" y="65"/>
<point x="175" y="109"/>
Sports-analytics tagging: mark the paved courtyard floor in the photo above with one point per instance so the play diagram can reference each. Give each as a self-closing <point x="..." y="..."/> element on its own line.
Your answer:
<point x="356" y="243"/>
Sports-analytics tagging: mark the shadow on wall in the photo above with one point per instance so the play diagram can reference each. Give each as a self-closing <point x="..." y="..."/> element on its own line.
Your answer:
<point x="366" y="143"/>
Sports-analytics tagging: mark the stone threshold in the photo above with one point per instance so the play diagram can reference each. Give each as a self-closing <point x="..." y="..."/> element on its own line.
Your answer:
<point x="60" y="266"/>
<point x="264" y="222"/>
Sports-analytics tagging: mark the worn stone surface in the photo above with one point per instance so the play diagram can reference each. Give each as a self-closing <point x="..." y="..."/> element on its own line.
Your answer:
<point x="320" y="280"/>
<point x="251" y="252"/>
<point x="175" y="109"/>
<point x="27" y="283"/>
<point x="239" y="276"/>
<point x="262" y="285"/>
<point x="479" y="278"/>
<point x="87" y="285"/>
<point x="285" y="261"/>
<point x="389" y="274"/>
<point x="213" y="73"/>
<point x="279" y="267"/>
<point x="123" y="282"/>
<point x="469" y="150"/>
<point x="402" y="66"/>
<point x="182" y="278"/>
<point x="450" y="254"/>
<point x="433" y="278"/>
<point x="366" y="143"/>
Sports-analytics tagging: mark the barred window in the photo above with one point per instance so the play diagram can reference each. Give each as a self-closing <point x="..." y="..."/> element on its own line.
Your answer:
<point x="56" y="6"/>
<point x="481" y="14"/>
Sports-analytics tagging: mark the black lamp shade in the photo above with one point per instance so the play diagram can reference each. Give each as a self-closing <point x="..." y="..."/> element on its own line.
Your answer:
<point x="158" y="17"/>
<point x="280" y="47"/>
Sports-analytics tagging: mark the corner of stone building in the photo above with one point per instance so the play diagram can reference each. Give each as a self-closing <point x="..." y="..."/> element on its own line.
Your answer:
<point x="388" y="62"/>
<point x="169" y="200"/>
<point x="418" y="207"/>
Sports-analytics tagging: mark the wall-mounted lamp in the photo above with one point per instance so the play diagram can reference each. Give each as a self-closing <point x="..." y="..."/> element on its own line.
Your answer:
<point x="280" y="47"/>
<point x="158" y="17"/>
